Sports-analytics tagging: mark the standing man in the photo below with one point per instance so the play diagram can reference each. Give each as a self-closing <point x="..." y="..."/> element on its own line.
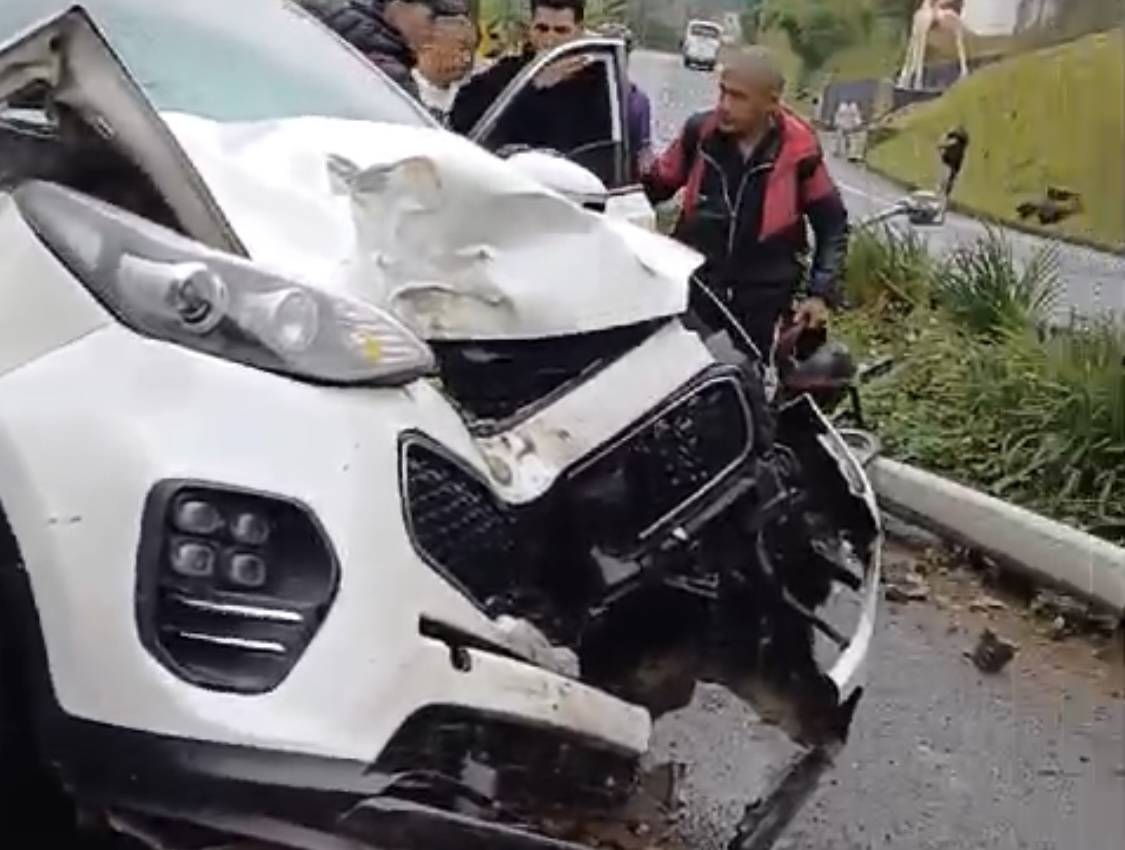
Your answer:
<point x="639" y="114"/>
<point x="753" y="174"/>
<point x="952" y="148"/>
<point x="444" y="63"/>
<point x="566" y="107"/>
<point x="388" y="32"/>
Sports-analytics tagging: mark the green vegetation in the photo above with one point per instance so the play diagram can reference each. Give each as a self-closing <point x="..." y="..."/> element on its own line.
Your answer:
<point x="1052" y="117"/>
<point x="841" y="40"/>
<point x="983" y="391"/>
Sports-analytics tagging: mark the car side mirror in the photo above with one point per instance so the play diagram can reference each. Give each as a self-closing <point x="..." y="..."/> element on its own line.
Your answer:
<point x="567" y="178"/>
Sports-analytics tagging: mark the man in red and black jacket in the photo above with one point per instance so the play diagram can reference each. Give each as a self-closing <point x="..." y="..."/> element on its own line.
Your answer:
<point x="752" y="174"/>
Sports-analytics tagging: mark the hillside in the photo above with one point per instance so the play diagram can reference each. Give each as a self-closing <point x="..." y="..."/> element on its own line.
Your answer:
<point x="860" y="39"/>
<point x="1053" y="117"/>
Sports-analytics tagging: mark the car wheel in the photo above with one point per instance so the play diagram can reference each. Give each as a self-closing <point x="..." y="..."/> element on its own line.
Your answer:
<point x="15" y="802"/>
<point x="33" y="810"/>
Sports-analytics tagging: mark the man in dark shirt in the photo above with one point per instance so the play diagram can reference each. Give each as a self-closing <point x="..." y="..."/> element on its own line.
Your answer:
<point x="753" y="174"/>
<point x="566" y="107"/>
<point x="952" y="150"/>
<point x="388" y="32"/>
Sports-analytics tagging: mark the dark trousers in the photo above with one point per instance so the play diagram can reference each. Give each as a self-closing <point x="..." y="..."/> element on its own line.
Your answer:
<point x="948" y="179"/>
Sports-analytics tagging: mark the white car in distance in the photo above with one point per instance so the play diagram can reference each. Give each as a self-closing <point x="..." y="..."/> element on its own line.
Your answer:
<point x="701" y="45"/>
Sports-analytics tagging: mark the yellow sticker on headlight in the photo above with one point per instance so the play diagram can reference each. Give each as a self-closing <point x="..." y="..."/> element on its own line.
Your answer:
<point x="371" y="347"/>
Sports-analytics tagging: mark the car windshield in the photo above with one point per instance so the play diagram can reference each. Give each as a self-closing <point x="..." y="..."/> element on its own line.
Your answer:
<point x="705" y="30"/>
<point x="233" y="60"/>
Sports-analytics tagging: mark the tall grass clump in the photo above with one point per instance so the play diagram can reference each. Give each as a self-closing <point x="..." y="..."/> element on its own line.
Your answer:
<point x="986" y="390"/>
<point x="889" y="270"/>
<point x="989" y="292"/>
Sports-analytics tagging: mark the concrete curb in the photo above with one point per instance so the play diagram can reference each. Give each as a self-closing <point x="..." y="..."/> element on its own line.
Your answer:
<point x="1048" y="551"/>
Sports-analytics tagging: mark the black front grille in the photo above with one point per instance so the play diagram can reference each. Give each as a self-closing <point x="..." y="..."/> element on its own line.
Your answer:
<point x="647" y="475"/>
<point x="457" y="523"/>
<point x="663" y="463"/>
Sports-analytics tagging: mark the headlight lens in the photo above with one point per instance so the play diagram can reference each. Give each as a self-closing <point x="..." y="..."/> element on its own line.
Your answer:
<point x="169" y="287"/>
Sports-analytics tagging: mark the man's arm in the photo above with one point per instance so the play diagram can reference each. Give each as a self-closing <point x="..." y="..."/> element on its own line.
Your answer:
<point x="644" y="119"/>
<point x="479" y="93"/>
<point x="824" y="208"/>
<point x="668" y="173"/>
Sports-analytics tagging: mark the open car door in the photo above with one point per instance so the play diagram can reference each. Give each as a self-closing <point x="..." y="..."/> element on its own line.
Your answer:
<point x="610" y="156"/>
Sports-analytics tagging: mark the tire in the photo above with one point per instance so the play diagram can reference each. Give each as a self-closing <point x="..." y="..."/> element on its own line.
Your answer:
<point x="33" y="809"/>
<point x="16" y="765"/>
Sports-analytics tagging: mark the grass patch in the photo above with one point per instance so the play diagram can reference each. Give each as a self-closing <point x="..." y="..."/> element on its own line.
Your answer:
<point x="1052" y="117"/>
<point x="984" y="393"/>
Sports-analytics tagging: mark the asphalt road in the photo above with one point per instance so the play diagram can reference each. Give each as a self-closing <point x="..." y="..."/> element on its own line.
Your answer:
<point x="942" y="757"/>
<point x="1093" y="282"/>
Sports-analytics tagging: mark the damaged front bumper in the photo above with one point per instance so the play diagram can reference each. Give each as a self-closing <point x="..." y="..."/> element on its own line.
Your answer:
<point x="322" y="816"/>
<point x="461" y="782"/>
<point x="388" y="777"/>
<point x="388" y="819"/>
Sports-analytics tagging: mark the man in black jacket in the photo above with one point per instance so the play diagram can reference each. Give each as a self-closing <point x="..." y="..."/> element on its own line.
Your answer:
<point x="752" y="175"/>
<point x="566" y="107"/>
<point x="388" y="32"/>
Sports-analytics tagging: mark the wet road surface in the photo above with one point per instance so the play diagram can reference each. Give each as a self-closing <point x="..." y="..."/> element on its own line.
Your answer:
<point x="1093" y="282"/>
<point x="942" y="757"/>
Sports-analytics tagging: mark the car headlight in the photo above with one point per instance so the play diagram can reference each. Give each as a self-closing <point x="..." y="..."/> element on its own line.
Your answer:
<point x="169" y="287"/>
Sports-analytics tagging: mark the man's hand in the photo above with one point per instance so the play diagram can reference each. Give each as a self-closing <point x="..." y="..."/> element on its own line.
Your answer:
<point x="813" y="312"/>
<point x="561" y="70"/>
<point x="646" y="159"/>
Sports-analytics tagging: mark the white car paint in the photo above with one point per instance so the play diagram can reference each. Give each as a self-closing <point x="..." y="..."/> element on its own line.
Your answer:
<point x="93" y="415"/>
<point x="702" y="42"/>
<point x="458" y="242"/>
<point x="88" y="429"/>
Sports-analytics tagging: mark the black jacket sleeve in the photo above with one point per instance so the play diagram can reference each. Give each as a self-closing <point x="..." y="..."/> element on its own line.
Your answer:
<point x="480" y="92"/>
<point x="827" y="215"/>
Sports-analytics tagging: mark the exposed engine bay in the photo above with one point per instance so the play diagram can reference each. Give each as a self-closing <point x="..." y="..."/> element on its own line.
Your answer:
<point x="44" y="140"/>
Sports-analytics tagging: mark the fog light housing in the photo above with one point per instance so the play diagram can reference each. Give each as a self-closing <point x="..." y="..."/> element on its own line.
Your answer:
<point x="231" y="584"/>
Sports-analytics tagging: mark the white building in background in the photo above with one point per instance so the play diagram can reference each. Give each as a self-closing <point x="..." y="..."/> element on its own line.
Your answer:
<point x="1004" y="17"/>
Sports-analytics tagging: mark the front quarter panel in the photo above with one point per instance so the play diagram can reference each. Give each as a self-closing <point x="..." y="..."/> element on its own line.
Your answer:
<point x="632" y="206"/>
<point x="42" y="307"/>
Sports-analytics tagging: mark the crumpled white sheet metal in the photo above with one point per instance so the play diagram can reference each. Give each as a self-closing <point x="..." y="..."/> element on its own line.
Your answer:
<point x="457" y="242"/>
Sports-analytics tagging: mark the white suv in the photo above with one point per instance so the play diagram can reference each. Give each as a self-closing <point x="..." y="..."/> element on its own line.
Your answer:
<point x="701" y="44"/>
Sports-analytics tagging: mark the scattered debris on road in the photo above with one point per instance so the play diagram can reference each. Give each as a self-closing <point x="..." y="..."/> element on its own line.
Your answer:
<point x="647" y="823"/>
<point x="908" y="587"/>
<point x="1045" y="627"/>
<point x="992" y="653"/>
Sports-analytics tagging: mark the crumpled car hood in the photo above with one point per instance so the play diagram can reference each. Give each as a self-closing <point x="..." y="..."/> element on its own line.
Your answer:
<point x="458" y="243"/>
